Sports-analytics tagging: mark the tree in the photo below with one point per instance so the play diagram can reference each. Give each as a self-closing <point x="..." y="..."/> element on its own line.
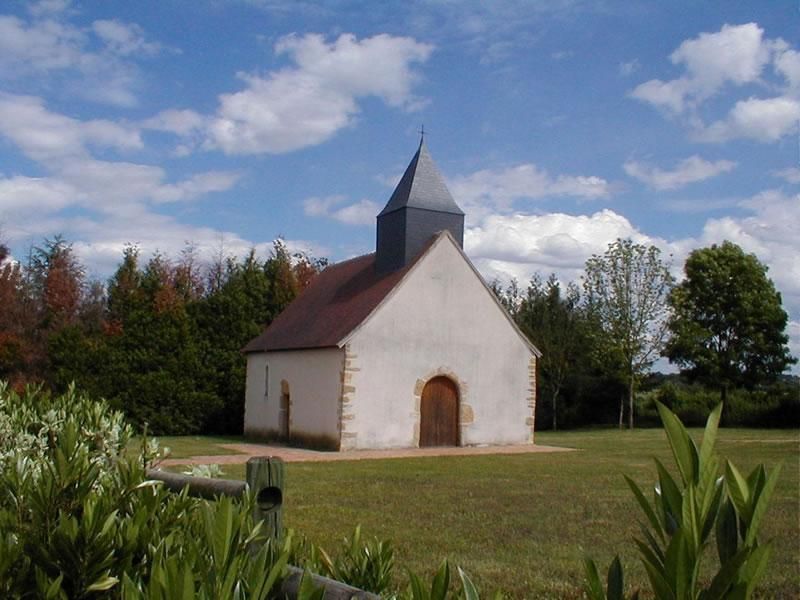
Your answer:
<point x="13" y="346"/>
<point x="728" y="325"/>
<point x="243" y="296"/>
<point x="58" y="279"/>
<point x="626" y="292"/>
<point x="553" y="321"/>
<point x="233" y="312"/>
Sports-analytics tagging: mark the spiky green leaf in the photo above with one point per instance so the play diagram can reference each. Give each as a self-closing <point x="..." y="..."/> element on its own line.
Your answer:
<point x="615" y="583"/>
<point x="593" y="586"/>
<point x="683" y="447"/>
<point x="645" y="506"/>
<point x="761" y="504"/>
<point x="739" y="491"/>
<point x="470" y="593"/>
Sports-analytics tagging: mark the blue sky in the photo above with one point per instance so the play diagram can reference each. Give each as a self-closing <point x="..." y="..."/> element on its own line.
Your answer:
<point x="559" y="125"/>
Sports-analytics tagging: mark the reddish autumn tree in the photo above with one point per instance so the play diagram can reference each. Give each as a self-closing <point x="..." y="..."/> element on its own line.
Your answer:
<point x="13" y="350"/>
<point x="305" y="269"/>
<point x="58" y="280"/>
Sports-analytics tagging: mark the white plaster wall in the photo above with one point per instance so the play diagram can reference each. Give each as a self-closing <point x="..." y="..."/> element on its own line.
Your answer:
<point x="314" y="378"/>
<point x="441" y="318"/>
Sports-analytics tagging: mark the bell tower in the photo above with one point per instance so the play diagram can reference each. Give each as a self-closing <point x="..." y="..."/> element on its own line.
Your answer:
<point x="420" y="206"/>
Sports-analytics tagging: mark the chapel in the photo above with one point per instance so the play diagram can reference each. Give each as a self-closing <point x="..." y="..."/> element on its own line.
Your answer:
<point x="405" y="347"/>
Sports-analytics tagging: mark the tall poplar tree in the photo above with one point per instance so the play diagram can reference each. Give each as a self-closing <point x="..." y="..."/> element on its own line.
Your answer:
<point x="625" y="291"/>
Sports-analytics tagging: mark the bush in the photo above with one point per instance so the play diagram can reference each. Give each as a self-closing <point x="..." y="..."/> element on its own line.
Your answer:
<point x="368" y="565"/>
<point x="78" y="517"/>
<point x="776" y="405"/>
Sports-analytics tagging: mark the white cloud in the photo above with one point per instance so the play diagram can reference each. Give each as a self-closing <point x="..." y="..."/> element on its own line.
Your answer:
<point x="362" y="212"/>
<point x="39" y="46"/>
<point x="735" y="54"/>
<point x="110" y="193"/>
<point x="48" y="44"/>
<point x="787" y="63"/>
<point x="197" y="185"/>
<point x="487" y="190"/>
<point x="770" y="232"/>
<point x="305" y="104"/>
<point x="124" y="39"/>
<point x="101" y="242"/>
<point x="48" y="7"/>
<point x="663" y="94"/>
<point x="734" y="57"/>
<point x="765" y="120"/>
<point x="790" y="174"/>
<point x="32" y="197"/>
<point x="520" y="245"/>
<point x="180" y="122"/>
<point x="687" y="171"/>
<point x="46" y="136"/>
<point x="115" y="186"/>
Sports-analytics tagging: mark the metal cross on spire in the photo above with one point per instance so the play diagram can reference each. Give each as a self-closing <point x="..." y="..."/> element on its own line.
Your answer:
<point x="422" y="134"/>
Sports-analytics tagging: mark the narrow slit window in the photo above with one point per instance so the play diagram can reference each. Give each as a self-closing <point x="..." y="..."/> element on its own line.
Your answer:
<point x="266" y="382"/>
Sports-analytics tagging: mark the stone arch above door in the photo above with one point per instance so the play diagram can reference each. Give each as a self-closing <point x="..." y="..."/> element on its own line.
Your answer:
<point x="465" y="412"/>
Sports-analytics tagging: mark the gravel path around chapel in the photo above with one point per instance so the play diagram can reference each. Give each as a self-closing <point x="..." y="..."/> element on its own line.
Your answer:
<point x="245" y="451"/>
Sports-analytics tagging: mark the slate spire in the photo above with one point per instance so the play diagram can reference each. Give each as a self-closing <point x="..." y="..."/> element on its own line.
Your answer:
<point x="420" y="206"/>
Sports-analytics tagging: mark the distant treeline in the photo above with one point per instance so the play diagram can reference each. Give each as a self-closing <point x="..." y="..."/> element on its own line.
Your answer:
<point x="580" y="385"/>
<point x="160" y="340"/>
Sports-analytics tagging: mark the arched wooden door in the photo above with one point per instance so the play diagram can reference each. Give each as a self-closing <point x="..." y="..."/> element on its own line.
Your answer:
<point x="439" y="413"/>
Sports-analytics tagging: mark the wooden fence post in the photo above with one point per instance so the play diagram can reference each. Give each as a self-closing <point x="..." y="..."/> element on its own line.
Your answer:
<point x="265" y="478"/>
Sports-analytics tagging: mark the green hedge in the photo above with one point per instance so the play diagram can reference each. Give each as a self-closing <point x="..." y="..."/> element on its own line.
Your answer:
<point x="775" y="406"/>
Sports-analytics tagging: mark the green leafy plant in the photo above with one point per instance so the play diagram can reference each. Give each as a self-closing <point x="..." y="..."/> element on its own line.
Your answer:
<point x="367" y="565"/>
<point x="683" y="515"/>
<point x="440" y="587"/>
<point x="79" y="519"/>
<point x="212" y="471"/>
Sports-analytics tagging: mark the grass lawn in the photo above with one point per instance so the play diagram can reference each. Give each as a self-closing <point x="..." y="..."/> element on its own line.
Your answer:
<point x="522" y="523"/>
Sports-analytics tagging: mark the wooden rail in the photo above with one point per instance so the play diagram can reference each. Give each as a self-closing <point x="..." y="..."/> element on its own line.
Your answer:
<point x="334" y="590"/>
<point x="199" y="487"/>
<point x="265" y="478"/>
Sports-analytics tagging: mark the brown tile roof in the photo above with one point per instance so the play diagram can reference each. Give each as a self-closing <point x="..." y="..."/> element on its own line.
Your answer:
<point x="333" y="305"/>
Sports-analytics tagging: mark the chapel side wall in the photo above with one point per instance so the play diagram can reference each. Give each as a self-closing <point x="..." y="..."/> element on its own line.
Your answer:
<point x="314" y="384"/>
<point x="260" y="413"/>
<point x="467" y="338"/>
